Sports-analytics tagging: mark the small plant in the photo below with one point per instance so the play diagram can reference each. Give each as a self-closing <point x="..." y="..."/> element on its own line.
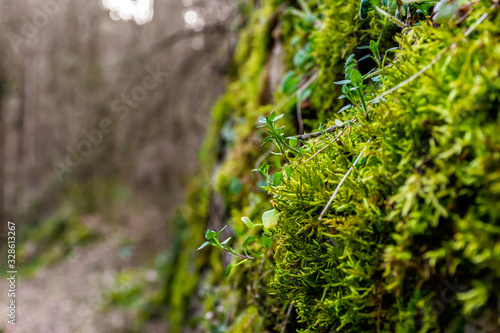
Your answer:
<point x="374" y="48"/>
<point x="353" y="87"/>
<point x="401" y="9"/>
<point x="276" y="136"/>
<point x="269" y="219"/>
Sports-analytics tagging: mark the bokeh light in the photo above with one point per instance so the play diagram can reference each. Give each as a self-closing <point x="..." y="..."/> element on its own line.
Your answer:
<point x="141" y="11"/>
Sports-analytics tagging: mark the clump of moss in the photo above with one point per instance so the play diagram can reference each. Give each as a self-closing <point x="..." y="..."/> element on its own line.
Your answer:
<point x="418" y="218"/>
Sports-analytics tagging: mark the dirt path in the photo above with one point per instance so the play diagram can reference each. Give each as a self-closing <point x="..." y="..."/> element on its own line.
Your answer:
<point x="67" y="297"/>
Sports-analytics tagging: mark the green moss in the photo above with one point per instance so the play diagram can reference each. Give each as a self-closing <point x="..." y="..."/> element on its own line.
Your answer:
<point x="418" y="214"/>
<point x="248" y="322"/>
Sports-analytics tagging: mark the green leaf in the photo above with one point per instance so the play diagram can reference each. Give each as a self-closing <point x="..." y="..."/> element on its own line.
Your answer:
<point x="288" y="171"/>
<point x="203" y="245"/>
<point x="278" y="117"/>
<point x="356" y="76"/>
<point x="228" y="270"/>
<point x="361" y="162"/>
<point x="210" y="235"/>
<point x="221" y="230"/>
<point x="349" y="60"/>
<point x="293" y="142"/>
<point x="339" y="122"/>
<point x="248" y="222"/>
<point x="266" y="242"/>
<point x="247" y="241"/>
<point x="342" y="82"/>
<point x="343" y="109"/>
<point x="290" y="82"/>
<point x="300" y="58"/>
<point x="277" y="179"/>
<point x="277" y="161"/>
<point x="365" y="57"/>
<point x="262" y="120"/>
<point x="374" y="47"/>
<point x="270" y="218"/>
<point x="305" y="94"/>
<point x="226" y="241"/>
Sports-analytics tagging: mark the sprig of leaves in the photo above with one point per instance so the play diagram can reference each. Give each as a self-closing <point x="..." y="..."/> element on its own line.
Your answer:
<point x="276" y="136"/>
<point x="352" y="86"/>
<point x="269" y="220"/>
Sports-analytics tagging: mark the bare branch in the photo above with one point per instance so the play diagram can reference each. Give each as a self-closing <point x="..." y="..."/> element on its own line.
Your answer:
<point x="328" y="130"/>
<point x="342" y="182"/>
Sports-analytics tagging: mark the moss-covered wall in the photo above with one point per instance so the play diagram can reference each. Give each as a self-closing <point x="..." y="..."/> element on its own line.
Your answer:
<point x="411" y="241"/>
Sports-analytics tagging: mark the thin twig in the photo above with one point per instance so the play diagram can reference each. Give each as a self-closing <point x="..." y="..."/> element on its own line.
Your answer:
<point x="411" y="78"/>
<point x="228" y="250"/>
<point x="319" y="151"/>
<point x="299" y="102"/>
<point x="390" y="17"/>
<point x="264" y="156"/>
<point x="292" y="95"/>
<point x="342" y="182"/>
<point x="287" y="317"/>
<point x="328" y="130"/>
<point x="328" y="145"/>
<point x="478" y="22"/>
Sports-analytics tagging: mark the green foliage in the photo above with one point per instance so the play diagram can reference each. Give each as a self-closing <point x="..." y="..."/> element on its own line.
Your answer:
<point x="416" y="219"/>
<point x="276" y="136"/>
<point x="269" y="219"/>
<point x="422" y="209"/>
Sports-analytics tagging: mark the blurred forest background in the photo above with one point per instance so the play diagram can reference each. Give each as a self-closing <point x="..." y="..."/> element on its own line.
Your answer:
<point x="66" y="68"/>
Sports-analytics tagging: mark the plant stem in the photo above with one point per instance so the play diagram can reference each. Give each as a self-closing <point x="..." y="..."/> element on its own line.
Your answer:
<point x="390" y="17"/>
<point x="228" y="250"/>
<point x="362" y="97"/>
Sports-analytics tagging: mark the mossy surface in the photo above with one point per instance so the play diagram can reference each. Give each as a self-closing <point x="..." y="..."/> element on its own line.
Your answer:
<point x="411" y="242"/>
